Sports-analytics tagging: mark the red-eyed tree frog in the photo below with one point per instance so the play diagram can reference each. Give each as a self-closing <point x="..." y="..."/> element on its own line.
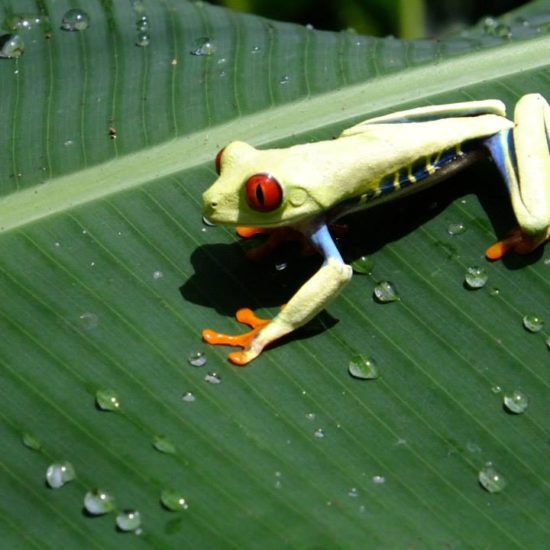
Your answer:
<point x="305" y="187"/>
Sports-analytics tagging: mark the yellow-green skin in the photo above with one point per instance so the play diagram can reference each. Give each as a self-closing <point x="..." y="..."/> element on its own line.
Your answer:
<point x="318" y="177"/>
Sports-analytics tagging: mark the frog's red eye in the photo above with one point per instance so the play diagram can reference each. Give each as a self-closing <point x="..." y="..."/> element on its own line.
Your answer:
<point x="263" y="192"/>
<point x="219" y="160"/>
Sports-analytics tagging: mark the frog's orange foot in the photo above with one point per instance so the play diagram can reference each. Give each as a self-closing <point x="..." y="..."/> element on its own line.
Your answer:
<point x="247" y="317"/>
<point x="516" y="241"/>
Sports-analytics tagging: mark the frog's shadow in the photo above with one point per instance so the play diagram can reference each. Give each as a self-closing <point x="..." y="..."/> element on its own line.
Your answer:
<point x="226" y="280"/>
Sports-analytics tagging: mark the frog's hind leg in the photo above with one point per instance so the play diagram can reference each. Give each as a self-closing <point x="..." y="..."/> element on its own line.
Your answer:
<point x="523" y="157"/>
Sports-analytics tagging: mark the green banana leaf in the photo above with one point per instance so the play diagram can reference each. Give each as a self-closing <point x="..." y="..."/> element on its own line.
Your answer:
<point x="108" y="275"/>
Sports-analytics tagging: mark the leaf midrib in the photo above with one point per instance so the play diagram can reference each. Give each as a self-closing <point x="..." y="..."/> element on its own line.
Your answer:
<point x="336" y="107"/>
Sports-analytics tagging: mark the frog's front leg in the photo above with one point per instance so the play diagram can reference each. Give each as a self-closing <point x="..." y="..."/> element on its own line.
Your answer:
<point x="523" y="158"/>
<point x="308" y="301"/>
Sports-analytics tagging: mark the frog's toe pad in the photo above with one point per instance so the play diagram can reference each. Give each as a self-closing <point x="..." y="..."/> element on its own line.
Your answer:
<point x="516" y="241"/>
<point x="247" y="317"/>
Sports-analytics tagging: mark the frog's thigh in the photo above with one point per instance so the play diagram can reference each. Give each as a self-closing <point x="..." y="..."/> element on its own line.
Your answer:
<point x="531" y="189"/>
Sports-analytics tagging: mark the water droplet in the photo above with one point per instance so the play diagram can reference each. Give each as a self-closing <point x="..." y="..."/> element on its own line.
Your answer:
<point x="188" y="396"/>
<point x="68" y="143"/>
<point x="11" y="46"/>
<point x="385" y="292"/>
<point x="88" y="320"/>
<point x="489" y="25"/>
<point x="99" y="502"/>
<point x="456" y="229"/>
<point x="353" y="492"/>
<point x="255" y="49"/>
<point x="164" y="445"/>
<point x="310" y="27"/>
<point x="278" y="483"/>
<point x="475" y="277"/>
<point x="319" y="433"/>
<point x="473" y="447"/>
<point x="548" y="342"/>
<point x="363" y="265"/>
<point x="533" y="323"/>
<point x="143" y="39"/>
<point x="173" y="500"/>
<point x="129" y="520"/>
<point x="503" y="31"/>
<point x="310" y="416"/>
<point x="516" y="402"/>
<point x="207" y="222"/>
<point x="23" y="22"/>
<point x="491" y="480"/>
<point x="197" y="358"/>
<point x="496" y="389"/>
<point x="285" y="79"/>
<point x="107" y="400"/>
<point x="142" y="24"/>
<point x="158" y="275"/>
<point x="281" y="266"/>
<point x="212" y="378"/>
<point x="30" y="441"/>
<point x="494" y="291"/>
<point x="204" y="46"/>
<point x="75" y="20"/>
<point x="222" y="61"/>
<point x="363" y="367"/>
<point x="378" y="480"/>
<point x="60" y="473"/>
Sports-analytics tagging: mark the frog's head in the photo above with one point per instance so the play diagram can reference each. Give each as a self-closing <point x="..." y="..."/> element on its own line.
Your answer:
<point x="259" y="188"/>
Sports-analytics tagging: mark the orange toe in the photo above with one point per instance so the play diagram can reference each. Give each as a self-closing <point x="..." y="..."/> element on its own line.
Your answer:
<point x="247" y="232"/>
<point x="247" y="317"/>
<point x="516" y="241"/>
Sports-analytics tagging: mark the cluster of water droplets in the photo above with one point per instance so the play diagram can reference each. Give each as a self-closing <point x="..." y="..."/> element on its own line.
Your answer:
<point x="143" y="38"/>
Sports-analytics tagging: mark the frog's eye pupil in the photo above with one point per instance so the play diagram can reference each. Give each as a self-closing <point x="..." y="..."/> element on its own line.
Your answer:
<point x="263" y="192"/>
<point x="219" y="161"/>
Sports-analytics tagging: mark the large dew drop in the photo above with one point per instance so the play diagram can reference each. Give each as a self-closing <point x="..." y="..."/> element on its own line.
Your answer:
<point x="197" y="358"/>
<point x="75" y="20"/>
<point x="363" y="368"/>
<point x="490" y="479"/>
<point x="107" y="400"/>
<point x="475" y="277"/>
<point x="129" y="520"/>
<point x="11" y="46"/>
<point x="533" y="323"/>
<point x="99" y="502"/>
<point x="363" y="265"/>
<point x="384" y="292"/>
<point x="173" y="500"/>
<point x="59" y="473"/>
<point x="516" y="402"/>
<point x="143" y="39"/>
